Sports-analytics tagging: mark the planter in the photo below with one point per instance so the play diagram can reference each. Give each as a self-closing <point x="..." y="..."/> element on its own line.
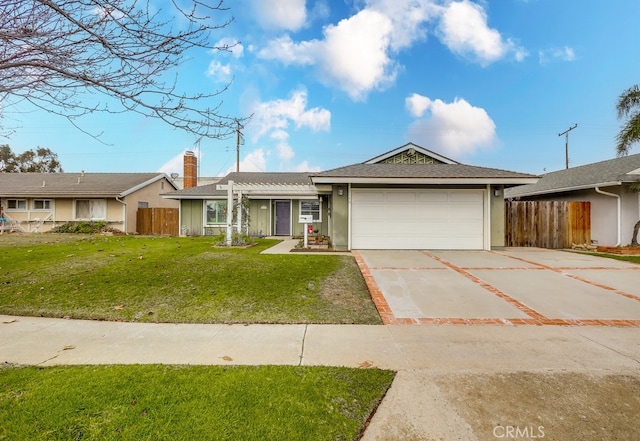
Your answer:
<point x="625" y="251"/>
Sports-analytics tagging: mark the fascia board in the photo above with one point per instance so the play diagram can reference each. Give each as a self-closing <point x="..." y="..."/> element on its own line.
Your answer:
<point x="435" y="181"/>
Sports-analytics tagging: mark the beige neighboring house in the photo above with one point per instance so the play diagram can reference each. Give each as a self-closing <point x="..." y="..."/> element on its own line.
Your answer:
<point x="37" y="202"/>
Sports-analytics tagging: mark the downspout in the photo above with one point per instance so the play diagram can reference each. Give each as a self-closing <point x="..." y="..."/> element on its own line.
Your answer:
<point x="124" y="213"/>
<point x="619" y="212"/>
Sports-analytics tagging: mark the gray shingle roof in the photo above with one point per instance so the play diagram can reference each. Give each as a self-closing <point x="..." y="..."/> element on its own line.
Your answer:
<point x="292" y="178"/>
<point x="601" y="173"/>
<point x="436" y="171"/>
<point x="72" y="184"/>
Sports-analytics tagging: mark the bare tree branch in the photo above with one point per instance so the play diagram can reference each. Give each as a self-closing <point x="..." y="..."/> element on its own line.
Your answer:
<point x="60" y="55"/>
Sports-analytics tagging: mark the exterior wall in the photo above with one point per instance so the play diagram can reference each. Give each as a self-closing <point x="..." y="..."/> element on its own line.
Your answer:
<point x="191" y="217"/>
<point x="496" y="218"/>
<point x="150" y="194"/>
<point x="259" y="217"/>
<point x="604" y="215"/>
<point x="340" y="217"/>
<point x="41" y="221"/>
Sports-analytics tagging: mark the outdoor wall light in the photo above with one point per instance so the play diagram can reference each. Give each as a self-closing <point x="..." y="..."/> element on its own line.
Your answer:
<point x="340" y="191"/>
<point x="496" y="192"/>
<point x="263" y="207"/>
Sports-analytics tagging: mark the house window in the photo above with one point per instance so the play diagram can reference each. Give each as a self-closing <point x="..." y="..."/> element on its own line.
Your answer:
<point x="91" y="209"/>
<point x="216" y="212"/>
<point x="311" y="208"/>
<point x="16" y="204"/>
<point x="143" y="204"/>
<point x="42" y="204"/>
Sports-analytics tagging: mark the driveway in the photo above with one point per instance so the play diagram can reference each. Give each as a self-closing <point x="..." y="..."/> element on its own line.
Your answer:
<point x="528" y="286"/>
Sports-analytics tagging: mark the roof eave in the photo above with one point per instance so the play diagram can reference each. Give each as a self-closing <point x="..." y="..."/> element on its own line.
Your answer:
<point x="433" y="181"/>
<point x="568" y="189"/>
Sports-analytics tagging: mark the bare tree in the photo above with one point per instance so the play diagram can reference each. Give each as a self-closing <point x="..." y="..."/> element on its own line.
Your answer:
<point x="69" y="57"/>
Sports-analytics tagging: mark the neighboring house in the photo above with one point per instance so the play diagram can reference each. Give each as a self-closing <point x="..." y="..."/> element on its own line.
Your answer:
<point x="407" y="198"/>
<point x="39" y="201"/>
<point x="615" y="207"/>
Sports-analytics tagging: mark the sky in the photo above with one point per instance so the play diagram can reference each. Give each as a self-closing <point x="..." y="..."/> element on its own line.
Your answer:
<point x="490" y="83"/>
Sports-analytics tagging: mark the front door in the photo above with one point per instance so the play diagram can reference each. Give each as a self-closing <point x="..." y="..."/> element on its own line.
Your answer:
<point x="283" y="218"/>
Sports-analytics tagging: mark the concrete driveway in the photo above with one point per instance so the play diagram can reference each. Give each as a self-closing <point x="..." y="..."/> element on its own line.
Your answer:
<point x="516" y="286"/>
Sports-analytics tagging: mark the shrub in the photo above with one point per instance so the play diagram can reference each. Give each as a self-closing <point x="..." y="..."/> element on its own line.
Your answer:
<point x="82" y="227"/>
<point x="237" y="240"/>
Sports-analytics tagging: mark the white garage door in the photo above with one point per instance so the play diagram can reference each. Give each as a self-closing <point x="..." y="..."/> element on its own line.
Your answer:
<point x="417" y="219"/>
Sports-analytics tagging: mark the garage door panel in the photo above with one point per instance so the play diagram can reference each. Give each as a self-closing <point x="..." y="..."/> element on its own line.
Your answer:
<point x="417" y="219"/>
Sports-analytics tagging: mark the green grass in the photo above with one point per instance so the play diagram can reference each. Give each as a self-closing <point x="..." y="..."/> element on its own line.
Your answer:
<point x="150" y="402"/>
<point x="632" y="259"/>
<point x="176" y="280"/>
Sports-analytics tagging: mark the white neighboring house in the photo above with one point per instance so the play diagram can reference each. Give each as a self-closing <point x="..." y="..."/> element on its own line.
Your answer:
<point x="615" y="206"/>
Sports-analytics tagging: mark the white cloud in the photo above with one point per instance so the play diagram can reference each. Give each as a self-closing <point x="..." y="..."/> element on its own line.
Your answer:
<point x="176" y="164"/>
<point x="559" y="53"/>
<point x="464" y="29"/>
<point x="232" y="45"/>
<point x="255" y="161"/>
<point x="454" y="129"/>
<point x="278" y="114"/>
<point x="221" y="72"/>
<point x="305" y="167"/>
<point x="289" y="15"/>
<point x="417" y="104"/>
<point x="357" y="55"/>
<point x="352" y="56"/>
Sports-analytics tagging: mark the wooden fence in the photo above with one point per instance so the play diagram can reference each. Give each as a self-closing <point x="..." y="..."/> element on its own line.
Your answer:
<point x="547" y="224"/>
<point x="158" y="221"/>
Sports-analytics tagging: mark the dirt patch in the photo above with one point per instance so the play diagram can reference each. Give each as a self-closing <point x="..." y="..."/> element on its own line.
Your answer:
<point x="551" y="407"/>
<point x="346" y="289"/>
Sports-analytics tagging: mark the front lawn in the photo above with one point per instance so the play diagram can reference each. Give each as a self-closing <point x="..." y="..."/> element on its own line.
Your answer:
<point x="186" y="280"/>
<point x="150" y="402"/>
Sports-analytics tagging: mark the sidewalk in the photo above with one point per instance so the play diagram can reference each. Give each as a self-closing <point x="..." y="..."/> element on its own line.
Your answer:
<point x="431" y="360"/>
<point x="47" y="341"/>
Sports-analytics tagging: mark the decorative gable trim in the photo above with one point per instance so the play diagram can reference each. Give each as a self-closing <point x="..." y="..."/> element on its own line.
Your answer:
<point x="410" y="153"/>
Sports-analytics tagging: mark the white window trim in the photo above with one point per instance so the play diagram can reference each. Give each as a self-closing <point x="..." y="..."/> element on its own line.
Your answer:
<point x="210" y="225"/>
<point x="44" y="200"/>
<point x="17" y="200"/>
<point x="75" y="210"/>
<point x="300" y="202"/>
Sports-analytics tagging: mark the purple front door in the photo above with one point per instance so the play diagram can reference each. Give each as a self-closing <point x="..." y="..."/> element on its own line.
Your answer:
<point x="283" y="218"/>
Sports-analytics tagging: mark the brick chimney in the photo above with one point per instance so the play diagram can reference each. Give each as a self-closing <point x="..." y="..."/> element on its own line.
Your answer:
<point x="190" y="170"/>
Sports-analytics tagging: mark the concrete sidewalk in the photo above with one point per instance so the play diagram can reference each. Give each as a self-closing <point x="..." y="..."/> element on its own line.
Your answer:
<point x="46" y="341"/>
<point x="417" y="406"/>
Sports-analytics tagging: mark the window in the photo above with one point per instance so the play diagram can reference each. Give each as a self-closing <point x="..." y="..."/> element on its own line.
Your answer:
<point x="311" y="208"/>
<point x="91" y="209"/>
<point x="42" y="204"/>
<point x="143" y="204"/>
<point x="16" y="204"/>
<point x="216" y="212"/>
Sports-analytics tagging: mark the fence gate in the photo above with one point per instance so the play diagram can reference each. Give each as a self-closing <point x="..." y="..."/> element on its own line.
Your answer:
<point x="547" y="224"/>
<point x="157" y="221"/>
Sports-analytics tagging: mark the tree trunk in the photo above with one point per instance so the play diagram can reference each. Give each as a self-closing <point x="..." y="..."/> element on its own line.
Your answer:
<point x="634" y="238"/>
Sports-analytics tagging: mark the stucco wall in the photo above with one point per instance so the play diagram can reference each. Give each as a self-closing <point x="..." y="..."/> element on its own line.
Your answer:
<point x="496" y="220"/>
<point x="150" y="194"/>
<point x="340" y="217"/>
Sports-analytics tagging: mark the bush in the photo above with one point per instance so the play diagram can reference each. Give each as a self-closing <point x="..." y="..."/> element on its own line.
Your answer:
<point x="82" y="227"/>
<point x="237" y="240"/>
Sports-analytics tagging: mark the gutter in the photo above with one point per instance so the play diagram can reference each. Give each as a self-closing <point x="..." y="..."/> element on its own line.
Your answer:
<point x="597" y="189"/>
<point x="124" y="212"/>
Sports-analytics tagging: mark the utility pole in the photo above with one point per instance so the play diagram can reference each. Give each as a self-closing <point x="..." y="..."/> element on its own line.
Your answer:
<point x="566" y="143"/>
<point x="239" y="141"/>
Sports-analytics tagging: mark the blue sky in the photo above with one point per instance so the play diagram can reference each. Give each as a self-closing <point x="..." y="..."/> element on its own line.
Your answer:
<point x="331" y="83"/>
